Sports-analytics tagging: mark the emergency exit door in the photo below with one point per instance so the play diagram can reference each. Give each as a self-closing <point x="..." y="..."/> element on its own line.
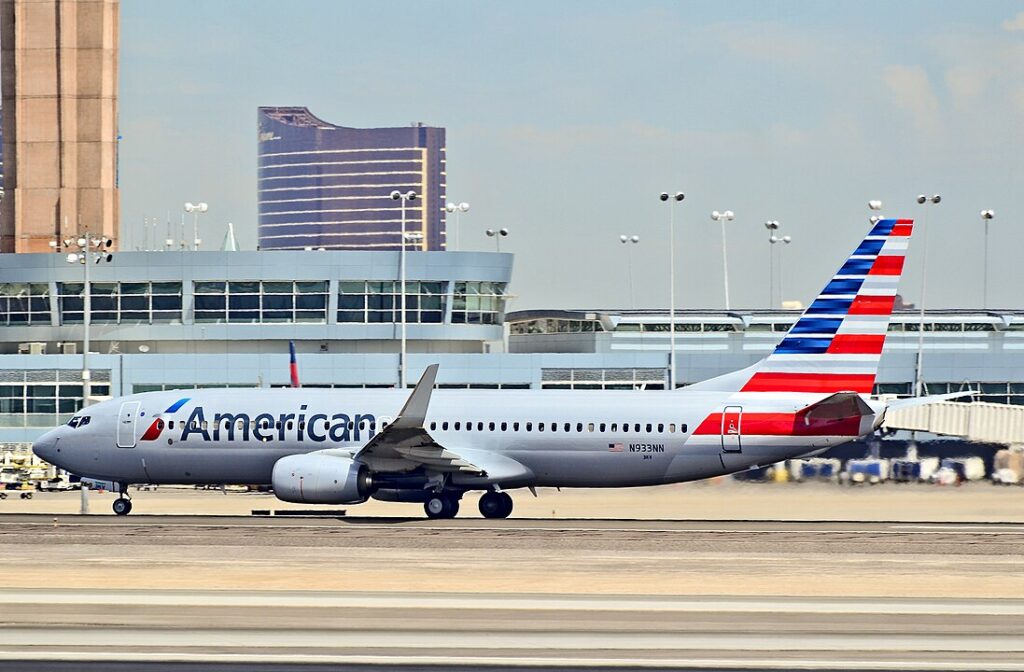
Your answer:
<point x="127" y="419"/>
<point x="732" y="419"/>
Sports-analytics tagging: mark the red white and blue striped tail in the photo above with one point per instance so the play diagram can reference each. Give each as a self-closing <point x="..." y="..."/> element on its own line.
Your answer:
<point x="836" y="344"/>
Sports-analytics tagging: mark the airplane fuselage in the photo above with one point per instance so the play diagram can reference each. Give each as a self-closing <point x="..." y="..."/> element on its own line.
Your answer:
<point x="561" y="438"/>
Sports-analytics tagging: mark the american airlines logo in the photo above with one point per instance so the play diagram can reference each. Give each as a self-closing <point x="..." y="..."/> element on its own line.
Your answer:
<point x="317" y="428"/>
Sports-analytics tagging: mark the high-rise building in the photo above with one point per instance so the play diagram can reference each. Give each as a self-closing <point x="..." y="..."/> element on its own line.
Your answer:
<point x="322" y="185"/>
<point x="59" y="120"/>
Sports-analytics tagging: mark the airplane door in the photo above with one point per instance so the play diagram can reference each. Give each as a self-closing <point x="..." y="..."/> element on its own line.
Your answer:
<point x="126" y="421"/>
<point x="732" y="418"/>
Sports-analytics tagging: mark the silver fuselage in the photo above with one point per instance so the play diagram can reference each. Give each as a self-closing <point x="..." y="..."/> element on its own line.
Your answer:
<point x="562" y="438"/>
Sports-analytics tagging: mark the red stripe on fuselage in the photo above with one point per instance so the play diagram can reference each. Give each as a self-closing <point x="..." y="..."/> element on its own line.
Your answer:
<point x="866" y="304"/>
<point x="856" y="344"/>
<point x="767" y="381"/>
<point x="781" y="424"/>
<point x="889" y="264"/>
<point x="901" y="229"/>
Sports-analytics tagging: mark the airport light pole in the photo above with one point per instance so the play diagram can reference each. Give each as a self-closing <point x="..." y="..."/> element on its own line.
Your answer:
<point x="497" y="235"/>
<point x="772" y="226"/>
<point x="458" y="209"/>
<point x="671" y="200"/>
<point x="986" y="217"/>
<point x="723" y="217"/>
<point x="404" y="198"/>
<point x="196" y="209"/>
<point x="629" y="242"/>
<point x="919" y="378"/>
<point x="86" y="250"/>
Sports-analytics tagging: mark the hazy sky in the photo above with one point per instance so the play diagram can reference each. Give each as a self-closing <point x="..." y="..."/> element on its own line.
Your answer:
<point x="566" y="119"/>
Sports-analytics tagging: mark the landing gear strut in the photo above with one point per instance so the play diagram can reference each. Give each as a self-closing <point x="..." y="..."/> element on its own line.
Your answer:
<point x="441" y="505"/>
<point x="495" y="505"/>
<point x="122" y="505"/>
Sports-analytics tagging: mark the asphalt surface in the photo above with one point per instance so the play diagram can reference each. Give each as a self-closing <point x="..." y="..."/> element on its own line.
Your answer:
<point x="270" y="593"/>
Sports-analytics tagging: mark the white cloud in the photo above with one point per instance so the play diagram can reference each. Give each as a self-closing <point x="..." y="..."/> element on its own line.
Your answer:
<point x="912" y="92"/>
<point x="1014" y="24"/>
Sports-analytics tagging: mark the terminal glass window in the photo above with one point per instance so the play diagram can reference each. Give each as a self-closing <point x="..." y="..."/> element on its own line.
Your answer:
<point x="121" y="302"/>
<point x="24" y="303"/>
<point x="373" y="302"/>
<point x="45" y="397"/>
<point x="252" y="301"/>
<point x="478" y="303"/>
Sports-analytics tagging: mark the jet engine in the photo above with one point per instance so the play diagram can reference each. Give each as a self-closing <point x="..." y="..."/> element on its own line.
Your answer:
<point x="321" y="479"/>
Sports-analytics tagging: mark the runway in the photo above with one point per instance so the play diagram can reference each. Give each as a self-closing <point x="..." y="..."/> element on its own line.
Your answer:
<point x="693" y="594"/>
<point x="490" y="629"/>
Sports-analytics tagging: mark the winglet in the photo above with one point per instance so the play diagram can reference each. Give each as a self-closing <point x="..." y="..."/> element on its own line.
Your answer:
<point x="415" y="410"/>
<point x="293" y="365"/>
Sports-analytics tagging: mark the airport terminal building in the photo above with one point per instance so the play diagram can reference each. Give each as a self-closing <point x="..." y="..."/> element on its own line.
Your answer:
<point x="162" y="320"/>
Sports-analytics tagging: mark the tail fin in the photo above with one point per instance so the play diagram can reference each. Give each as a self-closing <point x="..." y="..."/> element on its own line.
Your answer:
<point x="837" y="342"/>
<point x="293" y="365"/>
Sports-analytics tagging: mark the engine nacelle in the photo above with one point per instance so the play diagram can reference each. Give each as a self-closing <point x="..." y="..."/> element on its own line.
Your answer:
<point x="321" y="479"/>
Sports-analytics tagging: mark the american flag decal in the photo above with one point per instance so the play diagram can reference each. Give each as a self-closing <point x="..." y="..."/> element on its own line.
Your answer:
<point x="615" y="448"/>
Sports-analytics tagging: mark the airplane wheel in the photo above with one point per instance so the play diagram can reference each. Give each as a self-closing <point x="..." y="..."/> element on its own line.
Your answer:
<point x="441" y="506"/>
<point x="122" y="507"/>
<point x="492" y="505"/>
<point x="506" y="508"/>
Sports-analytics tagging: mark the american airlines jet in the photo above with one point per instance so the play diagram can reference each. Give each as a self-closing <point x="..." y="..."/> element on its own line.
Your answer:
<point x="323" y="446"/>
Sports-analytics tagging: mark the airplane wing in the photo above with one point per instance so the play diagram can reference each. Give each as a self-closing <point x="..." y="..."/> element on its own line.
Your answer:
<point x="405" y="444"/>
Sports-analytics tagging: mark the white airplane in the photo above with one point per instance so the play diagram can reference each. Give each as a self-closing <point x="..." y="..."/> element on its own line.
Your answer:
<point x="323" y="446"/>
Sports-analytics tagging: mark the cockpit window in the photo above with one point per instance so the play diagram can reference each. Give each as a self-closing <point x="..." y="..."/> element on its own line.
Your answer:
<point x="79" y="421"/>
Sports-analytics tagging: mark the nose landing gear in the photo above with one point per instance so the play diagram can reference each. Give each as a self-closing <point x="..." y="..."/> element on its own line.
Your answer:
<point x="123" y="504"/>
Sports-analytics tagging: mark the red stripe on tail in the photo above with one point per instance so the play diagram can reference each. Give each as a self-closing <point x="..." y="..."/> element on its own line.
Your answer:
<point x="856" y="344"/>
<point x="865" y="304"/>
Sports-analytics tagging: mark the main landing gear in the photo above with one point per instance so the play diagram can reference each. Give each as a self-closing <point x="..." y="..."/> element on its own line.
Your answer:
<point x="122" y="505"/>
<point x="441" y="505"/>
<point x="495" y="505"/>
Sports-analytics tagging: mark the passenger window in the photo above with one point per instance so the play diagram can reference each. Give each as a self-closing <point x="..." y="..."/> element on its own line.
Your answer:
<point x="682" y="428"/>
<point x="289" y="425"/>
<point x="490" y="426"/>
<point x="540" y="426"/>
<point x="444" y="425"/>
<point x="277" y="425"/>
<point x="515" y="426"/>
<point x="170" y="424"/>
<point x="159" y="424"/>
<point x="554" y="426"/>
<point x="469" y="426"/>
<point x="661" y="428"/>
<point x="194" y="423"/>
<point x="590" y="427"/>
<point x="458" y="425"/>
<point x="433" y="426"/>
<point x="567" y="427"/>
<point x="241" y="424"/>
<point x="579" y="426"/>
<point x="351" y="425"/>
<point x="614" y="427"/>
<point x="671" y="428"/>
<point x="636" y="428"/>
<point x="205" y="425"/>
<point x="602" y="427"/>
<point x="649" y="428"/>
<point x="504" y="426"/>
<point x="479" y="426"/>
<point x="529" y="426"/>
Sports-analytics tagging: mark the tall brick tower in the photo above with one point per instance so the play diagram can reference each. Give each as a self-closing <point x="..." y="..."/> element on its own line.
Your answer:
<point x="59" y="60"/>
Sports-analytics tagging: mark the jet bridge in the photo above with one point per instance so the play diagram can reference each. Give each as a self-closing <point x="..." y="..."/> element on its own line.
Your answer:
<point x="976" y="421"/>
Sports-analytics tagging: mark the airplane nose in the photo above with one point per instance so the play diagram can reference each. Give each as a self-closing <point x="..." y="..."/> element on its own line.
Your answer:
<point x="45" y="446"/>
